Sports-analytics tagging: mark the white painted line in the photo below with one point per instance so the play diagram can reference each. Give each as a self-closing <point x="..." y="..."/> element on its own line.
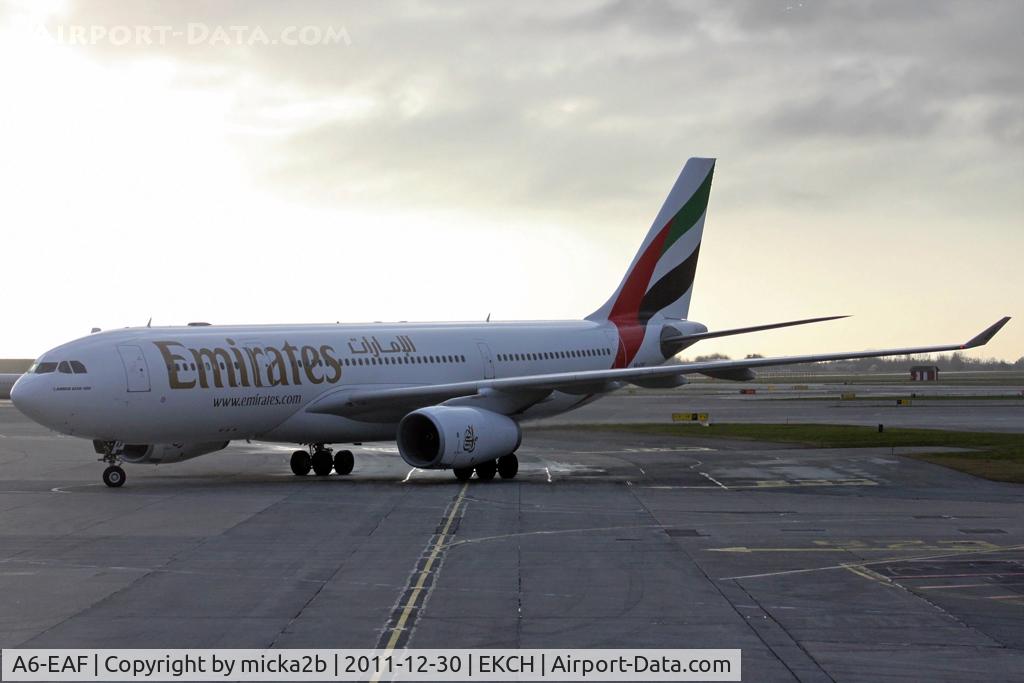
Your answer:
<point x="60" y="489"/>
<point x="548" y="473"/>
<point x="891" y="560"/>
<point x="709" y="477"/>
<point x="698" y="488"/>
<point x="408" y="475"/>
<point x="683" y="449"/>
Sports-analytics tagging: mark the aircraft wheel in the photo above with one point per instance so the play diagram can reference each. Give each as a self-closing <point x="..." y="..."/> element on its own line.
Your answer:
<point x="322" y="463"/>
<point x="508" y="466"/>
<point x="113" y="476"/>
<point x="301" y="463"/>
<point x="343" y="462"/>
<point x="485" y="471"/>
<point x="463" y="473"/>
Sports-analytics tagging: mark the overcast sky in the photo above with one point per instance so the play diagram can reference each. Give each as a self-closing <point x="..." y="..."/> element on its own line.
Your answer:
<point x="444" y="161"/>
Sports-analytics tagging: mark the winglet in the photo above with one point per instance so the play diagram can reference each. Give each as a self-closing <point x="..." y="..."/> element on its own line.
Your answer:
<point x="987" y="335"/>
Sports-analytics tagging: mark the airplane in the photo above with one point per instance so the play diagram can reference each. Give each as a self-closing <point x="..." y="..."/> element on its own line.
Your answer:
<point x="452" y="395"/>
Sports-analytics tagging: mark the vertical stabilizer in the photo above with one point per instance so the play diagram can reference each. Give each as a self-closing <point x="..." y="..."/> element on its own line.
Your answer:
<point x="660" y="278"/>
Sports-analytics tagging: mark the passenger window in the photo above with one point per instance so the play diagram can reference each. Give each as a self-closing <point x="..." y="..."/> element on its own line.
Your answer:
<point x="64" y="367"/>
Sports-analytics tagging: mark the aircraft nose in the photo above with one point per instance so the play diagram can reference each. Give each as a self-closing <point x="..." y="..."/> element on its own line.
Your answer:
<point x="27" y="397"/>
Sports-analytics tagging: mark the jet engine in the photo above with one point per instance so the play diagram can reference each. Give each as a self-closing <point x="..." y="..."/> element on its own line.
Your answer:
<point x="442" y="437"/>
<point x="159" y="453"/>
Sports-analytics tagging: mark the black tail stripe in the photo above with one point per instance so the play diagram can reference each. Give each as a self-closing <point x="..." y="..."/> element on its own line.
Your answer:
<point x="673" y="285"/>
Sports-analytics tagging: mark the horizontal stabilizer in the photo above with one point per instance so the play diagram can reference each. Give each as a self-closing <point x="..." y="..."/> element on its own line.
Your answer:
<point x="690" y="338"/>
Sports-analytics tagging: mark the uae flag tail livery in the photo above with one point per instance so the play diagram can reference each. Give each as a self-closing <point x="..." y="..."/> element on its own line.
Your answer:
<point x="657" y="287"/>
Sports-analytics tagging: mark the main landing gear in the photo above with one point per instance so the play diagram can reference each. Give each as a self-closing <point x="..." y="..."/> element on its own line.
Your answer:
<point x="506" y="467"/>
<point x="321" y="461"/>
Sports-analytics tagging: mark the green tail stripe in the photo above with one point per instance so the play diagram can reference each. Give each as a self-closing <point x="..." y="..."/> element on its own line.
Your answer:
<point x="691" y="212"/>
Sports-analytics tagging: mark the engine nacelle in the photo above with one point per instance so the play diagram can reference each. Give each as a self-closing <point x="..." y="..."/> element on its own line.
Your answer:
<point x="156" y="454"/>
<point x="441" y="437"/>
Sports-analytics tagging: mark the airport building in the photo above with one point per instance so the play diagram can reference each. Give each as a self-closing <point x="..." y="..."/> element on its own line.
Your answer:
<point x="924" y="373"/>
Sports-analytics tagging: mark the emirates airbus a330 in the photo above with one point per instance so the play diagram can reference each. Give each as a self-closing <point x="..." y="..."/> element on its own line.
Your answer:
<point x="451" y="394"/>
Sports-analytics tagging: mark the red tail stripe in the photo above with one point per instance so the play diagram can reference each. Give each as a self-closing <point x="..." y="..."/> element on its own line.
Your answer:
<point x="625" y="313"/>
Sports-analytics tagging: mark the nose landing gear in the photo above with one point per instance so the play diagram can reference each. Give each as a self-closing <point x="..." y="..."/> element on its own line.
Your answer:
<point x="114" y="475"/>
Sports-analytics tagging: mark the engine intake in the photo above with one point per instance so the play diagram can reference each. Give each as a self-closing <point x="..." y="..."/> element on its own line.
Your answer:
<point x="442" y="437"/>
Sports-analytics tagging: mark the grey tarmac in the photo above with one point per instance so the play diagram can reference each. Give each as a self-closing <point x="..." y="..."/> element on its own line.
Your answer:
<point x="845" y="565"/>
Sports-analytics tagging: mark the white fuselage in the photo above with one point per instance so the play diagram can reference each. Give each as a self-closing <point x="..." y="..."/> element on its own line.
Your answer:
<point x="219" y="383"/>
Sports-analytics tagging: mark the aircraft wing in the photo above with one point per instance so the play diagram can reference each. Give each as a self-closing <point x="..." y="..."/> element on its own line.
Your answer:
<point x="353" y="403"/>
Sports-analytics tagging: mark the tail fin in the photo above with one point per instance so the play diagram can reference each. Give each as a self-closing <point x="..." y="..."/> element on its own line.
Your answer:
<point x="660" y="279"/>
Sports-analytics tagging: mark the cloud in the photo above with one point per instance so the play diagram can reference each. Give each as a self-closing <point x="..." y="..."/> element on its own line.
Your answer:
<point x="900" y="116"/>
<point x="591" y="107"/>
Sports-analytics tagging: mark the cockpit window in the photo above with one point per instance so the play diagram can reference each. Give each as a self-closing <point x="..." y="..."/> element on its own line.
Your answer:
<point x="64" y="367"/>
<point x="77" y="366"/>
<point x="43" y="368"/>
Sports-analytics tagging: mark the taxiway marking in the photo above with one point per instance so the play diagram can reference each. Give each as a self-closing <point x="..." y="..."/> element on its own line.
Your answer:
<point x="860" y="546"/>
<point x="710" y="478"/>
<point x="421" y="577"/>
<point x="889" y="560"/>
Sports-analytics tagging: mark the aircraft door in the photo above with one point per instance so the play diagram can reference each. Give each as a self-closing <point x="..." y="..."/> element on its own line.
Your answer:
<point x="485" y="353"/>
<point x="136" y="369"/>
